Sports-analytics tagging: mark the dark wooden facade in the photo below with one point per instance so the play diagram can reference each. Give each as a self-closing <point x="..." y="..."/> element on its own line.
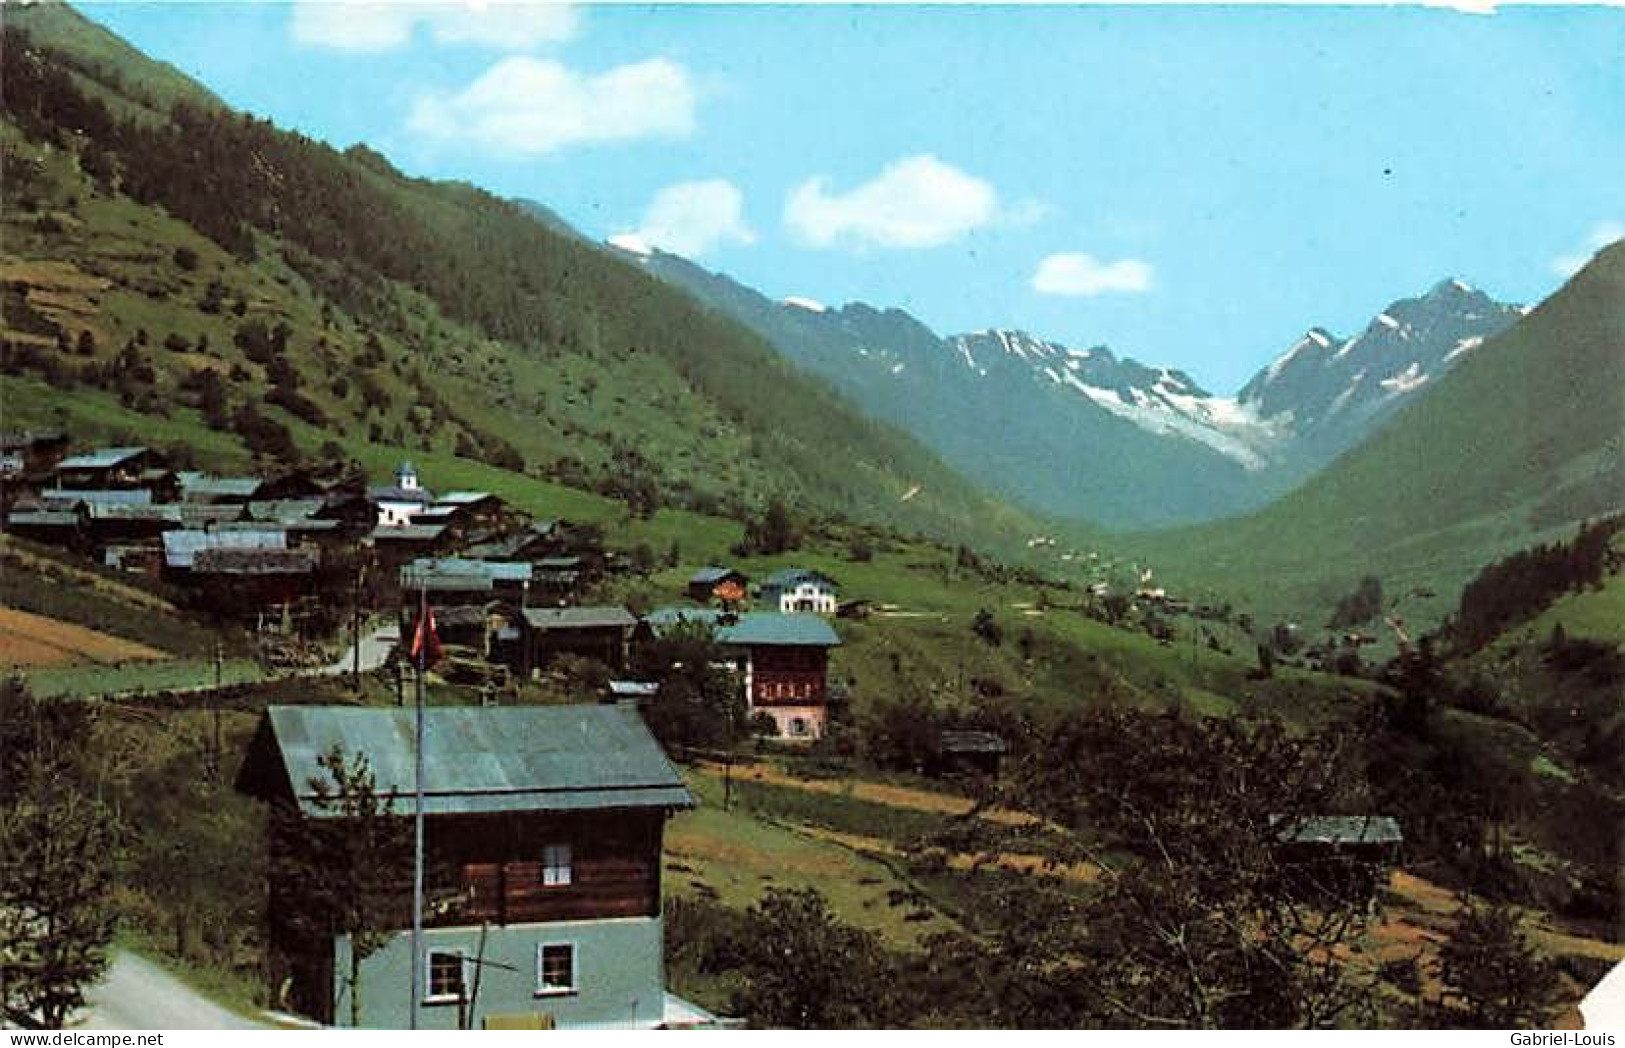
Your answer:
<point x="784" y="676"/>
<point x="490" y="867"/>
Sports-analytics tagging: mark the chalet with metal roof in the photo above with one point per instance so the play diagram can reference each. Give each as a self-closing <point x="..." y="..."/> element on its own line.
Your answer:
<point x="67" y="498"/>
<point x="106" y="468"/>
<point x="1336" y="853"/>
<point x="181" y="547"/>
<point x="543" y="833"/>
<point x="792" y="590"/>
<point x="718" y="583"/>
<point x="204" y="487"/>
<point x="600" y="633"/>
<point x="783" y="661"/>
<point x="968" y="752"/>
<point x="53" y="527"/>
<point x="452" y="579"/>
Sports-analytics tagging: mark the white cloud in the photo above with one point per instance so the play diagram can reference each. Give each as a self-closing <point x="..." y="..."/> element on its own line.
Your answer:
<point x="918" y="201"/>
<point x="532" y="106"/>
<point x="365" y="25"/>
<point x="1601" y="235"/>
<point x="691" y="219"/>
<point x="1076" y="274"/>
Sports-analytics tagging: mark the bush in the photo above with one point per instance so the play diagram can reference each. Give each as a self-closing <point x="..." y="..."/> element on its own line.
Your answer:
<point x="185" y="258"/>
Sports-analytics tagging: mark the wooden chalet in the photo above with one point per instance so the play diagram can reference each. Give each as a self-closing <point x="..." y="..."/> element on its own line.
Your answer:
<point x="783" y="660"/>
<point x="213" y="490"/>
<point x="65" y="528"/>
<point x="533" y="542"/>
<point x="543" y="838"/>
<point x="968" y="753"/>
<point x="121" y="467"/>
<point x="182" y="546"/>
<point x="462" y="580"/>
<point x="727" y="585"/>
<point x="600" y="633"/>
<point x="474" y="510"/>
<point x="257" y="584"/>
<point x="395" y="547"/>
<point x="1336" y="854"/>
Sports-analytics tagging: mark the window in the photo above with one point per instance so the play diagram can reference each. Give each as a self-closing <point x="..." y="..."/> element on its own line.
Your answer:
<point x="556" y="865"/>
<point x="445" y="976"/>
<point x="798" y="726"/>
<point x="555" y="968"/>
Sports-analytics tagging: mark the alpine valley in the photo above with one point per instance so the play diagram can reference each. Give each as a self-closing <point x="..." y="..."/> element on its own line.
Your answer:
<point x="1083" y="432"/>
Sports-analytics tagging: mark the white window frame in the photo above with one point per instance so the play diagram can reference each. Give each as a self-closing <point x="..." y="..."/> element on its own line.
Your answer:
<point x="554" y="873"/>
<point x="429" y="996"/>
<point x="543" y="990"/>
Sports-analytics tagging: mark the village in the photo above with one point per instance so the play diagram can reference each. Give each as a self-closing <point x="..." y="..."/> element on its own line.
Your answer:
<point x="545" y="821"/>
<point x="569" y="742"/>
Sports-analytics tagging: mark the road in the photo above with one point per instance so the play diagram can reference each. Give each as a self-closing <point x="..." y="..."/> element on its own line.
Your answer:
<point x="138" y="995"/>
<point x="375" y="646"/>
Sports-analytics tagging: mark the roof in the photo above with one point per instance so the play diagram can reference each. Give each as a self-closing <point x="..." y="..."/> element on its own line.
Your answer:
<point x="578" y="618"/>
<point x="254" y="561"/>
<point x="795" y="576"/>
<point x="101" y="458"/>
<point x="106" y="496"/>
<point x="476" y="759"/>
<point x="762" y="629"/>
<point x="971" y="742"/>
<point x="391" y="493"/>
<point x="170" y="512"/>
<point x="285" y="510"/>
<point x="409" y="533"/>
<point x="464" y="498"/>
<point x="712" y="574"/>
<point x="457" y="573"/>
<point x="634" y="688"/>
<point x="41" y="518"/>
<point x="182" y="547"/>
<point x="197" y="514"/>
<point x="1337" y="829"/>
<point x="204" y="486"/>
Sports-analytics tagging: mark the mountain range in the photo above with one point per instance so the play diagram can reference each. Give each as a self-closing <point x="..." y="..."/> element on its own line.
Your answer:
<point x="359" y="311"/>
<point x="1084" y="432"/>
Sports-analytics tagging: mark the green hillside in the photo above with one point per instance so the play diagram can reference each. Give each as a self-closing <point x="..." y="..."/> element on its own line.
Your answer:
<point x="1521" y="441"/>
<point x="201" y="259"/>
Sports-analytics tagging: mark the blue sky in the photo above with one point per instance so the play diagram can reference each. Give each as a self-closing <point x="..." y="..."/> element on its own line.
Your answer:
<point x="1192" y="186"/>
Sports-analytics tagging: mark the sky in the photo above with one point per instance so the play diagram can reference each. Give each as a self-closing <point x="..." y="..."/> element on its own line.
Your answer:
<point x="1192" y="186"/>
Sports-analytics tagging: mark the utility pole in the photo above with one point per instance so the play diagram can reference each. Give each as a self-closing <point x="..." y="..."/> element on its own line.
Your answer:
<point x="219" y="673"/>
<point x="355" y="669"/>
<point x="417" y="818"/>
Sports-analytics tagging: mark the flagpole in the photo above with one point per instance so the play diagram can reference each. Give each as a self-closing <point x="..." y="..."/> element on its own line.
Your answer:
<point x="417" y="819"/>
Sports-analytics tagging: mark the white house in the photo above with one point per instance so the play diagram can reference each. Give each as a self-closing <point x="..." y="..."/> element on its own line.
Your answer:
<point x="799" y="589"/>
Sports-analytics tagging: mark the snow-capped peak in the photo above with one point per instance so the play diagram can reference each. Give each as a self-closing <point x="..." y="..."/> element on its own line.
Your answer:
<point x="811" y="305"/>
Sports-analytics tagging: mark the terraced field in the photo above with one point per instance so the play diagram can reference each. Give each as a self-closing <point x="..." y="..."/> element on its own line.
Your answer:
<point x="28" y="640"/>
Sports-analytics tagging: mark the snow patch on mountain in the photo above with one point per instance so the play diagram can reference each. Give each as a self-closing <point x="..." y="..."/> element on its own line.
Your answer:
<point x="1465" y="345"/>
<point x="811" y="305"/>
<point x="1405" y="381"/>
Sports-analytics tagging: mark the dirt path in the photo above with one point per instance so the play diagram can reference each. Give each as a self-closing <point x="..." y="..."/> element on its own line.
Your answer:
<point x="1011" y="862"/>
<point x="908" y="797"/>
<point x="136" y="994"/>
